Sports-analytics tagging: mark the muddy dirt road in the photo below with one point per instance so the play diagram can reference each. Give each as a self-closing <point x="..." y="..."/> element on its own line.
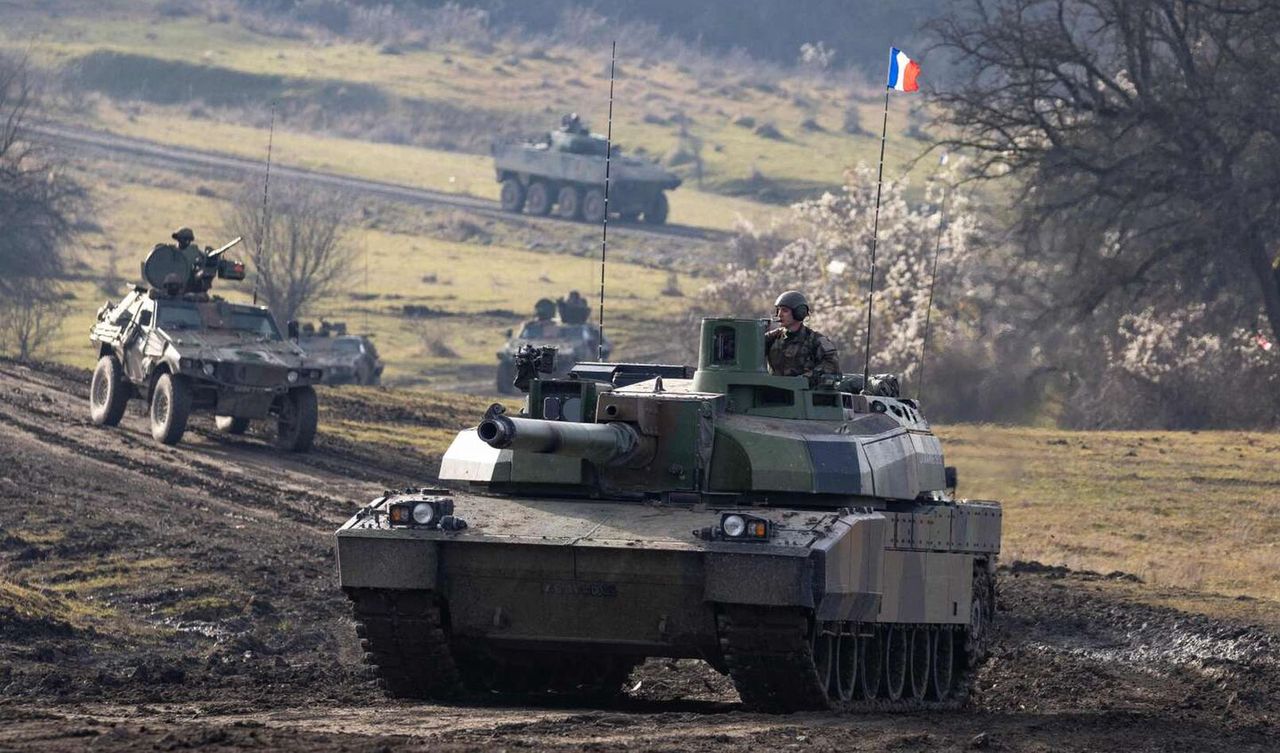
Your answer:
<point x="174" y="598"/>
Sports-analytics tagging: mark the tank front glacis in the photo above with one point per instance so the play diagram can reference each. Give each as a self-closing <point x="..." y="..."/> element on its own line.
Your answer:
<point x="184" y="351"/>
<point x="804" y="540"/>
<point x="564" y="173"/>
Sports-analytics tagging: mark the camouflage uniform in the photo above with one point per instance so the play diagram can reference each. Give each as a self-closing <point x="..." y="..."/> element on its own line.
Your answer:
<point x="801" y="353"/>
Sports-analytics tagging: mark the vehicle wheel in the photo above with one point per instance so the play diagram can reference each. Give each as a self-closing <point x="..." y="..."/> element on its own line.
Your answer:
<point x="538" y="199"/>
<point x="364" y="375"/>
<point x="656" y="214"/>
<point x="231" y="424"/>
<point x="296" y="429"/>
<point x="506" y="375"/>
<point x="512" y="195"/>
<point x="593" y="206"/>
<point x="108" y="392"/>
<point x="170" y="408"/>
<point x="567" y="203"/>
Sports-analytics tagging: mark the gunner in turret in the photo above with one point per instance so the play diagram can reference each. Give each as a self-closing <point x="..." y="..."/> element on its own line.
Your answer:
<point x="795" y="350"/>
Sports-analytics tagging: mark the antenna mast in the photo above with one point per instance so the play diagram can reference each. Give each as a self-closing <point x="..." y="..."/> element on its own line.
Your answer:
<point x="875" y="235"/>
<point x="266" y="187"/>
<point x="933" y="280"/>
<point x="604" y="229"/>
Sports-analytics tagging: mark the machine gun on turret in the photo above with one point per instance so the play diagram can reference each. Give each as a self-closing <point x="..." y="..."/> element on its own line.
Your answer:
<point x="176" y="271"/>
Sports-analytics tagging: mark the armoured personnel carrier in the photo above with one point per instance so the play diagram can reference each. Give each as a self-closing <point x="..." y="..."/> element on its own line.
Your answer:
<point x="564" y="172"/>
<point x="343" y="358"/>
<point x="805" y="541"/>
<point x="173" y="345"/>
<point x="561" y="324"/>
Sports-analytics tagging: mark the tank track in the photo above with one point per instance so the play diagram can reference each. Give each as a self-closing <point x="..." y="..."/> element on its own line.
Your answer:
<point x="774" y="657"/>
<point x="404" y="635"/>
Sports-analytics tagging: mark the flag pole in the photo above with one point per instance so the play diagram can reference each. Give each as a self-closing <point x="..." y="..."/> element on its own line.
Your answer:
<point x="875" y="234"/>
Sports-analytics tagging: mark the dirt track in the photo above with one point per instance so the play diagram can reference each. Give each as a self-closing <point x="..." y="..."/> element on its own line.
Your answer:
<point x="185" y="598"/>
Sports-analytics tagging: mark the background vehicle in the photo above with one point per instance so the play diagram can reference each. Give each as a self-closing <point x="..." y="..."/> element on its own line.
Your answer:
<point x="561" y="324"/>
<point x="805" y="541"/>
<point x="344" y="359"/>
<point x="183" y="351"/>
<point x="564" y="172"/>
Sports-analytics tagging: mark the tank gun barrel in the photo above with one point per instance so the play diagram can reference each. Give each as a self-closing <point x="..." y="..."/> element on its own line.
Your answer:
<point x="613" y="443"/>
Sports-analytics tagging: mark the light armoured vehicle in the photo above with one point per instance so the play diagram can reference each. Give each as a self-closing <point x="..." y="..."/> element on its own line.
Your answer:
<point x="343" y="358"/>
<point x="181" y="350"/>
<point x="564" y="172"/>
<point x="804" y="540"/>
<point x="561" y="324"/>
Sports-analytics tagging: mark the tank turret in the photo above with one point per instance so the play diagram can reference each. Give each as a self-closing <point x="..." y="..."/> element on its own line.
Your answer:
<point x="805" y="540"/>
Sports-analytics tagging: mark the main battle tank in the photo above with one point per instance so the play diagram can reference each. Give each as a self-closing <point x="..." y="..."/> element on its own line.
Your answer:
<point x="805" y="541"/>
<point x="564" y="171"/>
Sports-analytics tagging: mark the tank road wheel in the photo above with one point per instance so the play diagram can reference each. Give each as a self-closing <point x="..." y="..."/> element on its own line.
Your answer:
<point x="846" y="669"/>
<point x="296" y="429"/>
<point x="567" y="204"/>
<point x="170" y="408"/>
<point x="231" y="424"/>
<point x="824" y="646"/>
<point x="512" y="195"/>
<point x="895" y="665"/>
<point x="108" y="392"/>
<point x="942" y="676"/>
<point x="871" y="665"/>
<point x="918" y="658"/>
<point x="593" y="206"/>
<point x="538" y="199"/>
<point x="656" y="214"/>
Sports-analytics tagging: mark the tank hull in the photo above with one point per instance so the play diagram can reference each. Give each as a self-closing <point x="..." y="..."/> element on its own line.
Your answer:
<point x="544" y="577"/>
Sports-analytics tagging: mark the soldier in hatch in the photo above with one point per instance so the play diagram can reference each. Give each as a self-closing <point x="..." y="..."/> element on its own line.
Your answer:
<point x="795" y="350"/>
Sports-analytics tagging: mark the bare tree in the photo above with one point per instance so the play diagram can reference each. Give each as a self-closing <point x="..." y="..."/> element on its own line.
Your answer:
<point x="1143" y="135"/>
<point x="29" y="320"/>
<point x="36" y="199"/>
<point x="297" y="251"/>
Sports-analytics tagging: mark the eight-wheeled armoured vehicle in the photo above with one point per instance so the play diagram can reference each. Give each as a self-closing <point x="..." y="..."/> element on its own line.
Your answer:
<point x="804" y="540"/>
<point x="564" y="172"/>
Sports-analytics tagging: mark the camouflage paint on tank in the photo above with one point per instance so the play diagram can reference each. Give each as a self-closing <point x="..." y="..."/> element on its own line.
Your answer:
<point x="608" y="532"/>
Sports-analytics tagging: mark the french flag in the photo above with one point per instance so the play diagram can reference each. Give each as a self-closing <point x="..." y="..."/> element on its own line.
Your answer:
<point x="904" y="73"/>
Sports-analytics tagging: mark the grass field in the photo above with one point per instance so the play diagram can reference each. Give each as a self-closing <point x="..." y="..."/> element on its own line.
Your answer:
<point x="1193" y="510"/>
<point x="162" y="58"/>
<point x="392" y="268"/>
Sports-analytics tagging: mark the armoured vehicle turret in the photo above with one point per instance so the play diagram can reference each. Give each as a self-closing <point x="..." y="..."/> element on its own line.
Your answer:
<point x="564" y="172"/>
<point x="804" y="540"/>
<point x="181" y="350"/>
<point x="561" y="324"/>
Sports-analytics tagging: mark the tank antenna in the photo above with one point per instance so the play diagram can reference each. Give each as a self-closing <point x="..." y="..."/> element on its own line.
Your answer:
<point x="875" y="236"/>
<point x="604" y="225"/>
<point x="266" y="187"/>
<point x="933" y="281"/>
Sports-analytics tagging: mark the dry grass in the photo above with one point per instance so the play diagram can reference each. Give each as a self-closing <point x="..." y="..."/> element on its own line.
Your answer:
<point x="1194" y="510"/>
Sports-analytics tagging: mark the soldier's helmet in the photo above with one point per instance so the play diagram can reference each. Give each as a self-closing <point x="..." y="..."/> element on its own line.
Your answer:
<point x="183" y="235"/>
<point x="794" y="300"/>
<point x="544" y="309"/>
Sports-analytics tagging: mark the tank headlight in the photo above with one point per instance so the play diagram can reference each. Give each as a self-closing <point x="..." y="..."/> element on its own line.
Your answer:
<point x="733" y="526"/>
<point x="740" y="527"/>
<point x="423" y="509"/>
<point x="424" y="513"/>
<point x="292" y="377"/>
<point x="207" y="368"/>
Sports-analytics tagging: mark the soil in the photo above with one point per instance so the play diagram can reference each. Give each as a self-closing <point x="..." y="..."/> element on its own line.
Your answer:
<point x="156" y="598"/>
